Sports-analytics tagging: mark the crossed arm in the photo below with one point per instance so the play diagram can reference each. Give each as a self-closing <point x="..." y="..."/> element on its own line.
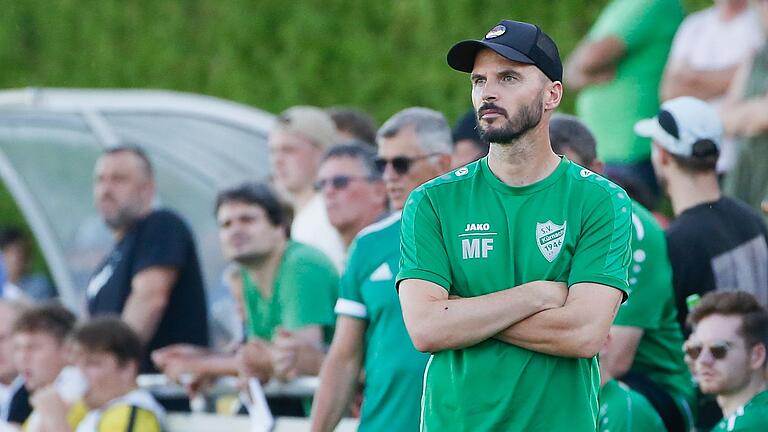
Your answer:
<point x="531" y="316"/>
<point x="594" y="62"/>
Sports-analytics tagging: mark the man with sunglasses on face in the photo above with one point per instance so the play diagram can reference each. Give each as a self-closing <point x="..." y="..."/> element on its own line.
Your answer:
<point x="351" y="185"/>
<point x="414" y="146"/>
<point x="727" y="354"/>
<point x="513" y="266"/>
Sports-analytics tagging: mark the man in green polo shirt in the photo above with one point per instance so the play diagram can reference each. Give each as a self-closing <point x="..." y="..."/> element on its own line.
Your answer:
<point x="513" y="266"/>
<point x="644" y="352"/>
<point x="727" y="352"/>
<point x="414" y="146"/>
<point x="618" y="68"/>
<point x="283" y="290"/>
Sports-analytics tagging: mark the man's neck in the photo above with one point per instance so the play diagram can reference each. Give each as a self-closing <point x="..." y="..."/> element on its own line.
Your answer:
<point x="686" y="191"/>
<point x="263" y="272"/>
<point x="119" y="232"/>
<point x="118" y="393"/>
<point x="349" y="232"/>
<point x="731" y="402"/>
<point x="300" y="199"/>
<point x="731" y="9"/>
<point x="525" y="161"/>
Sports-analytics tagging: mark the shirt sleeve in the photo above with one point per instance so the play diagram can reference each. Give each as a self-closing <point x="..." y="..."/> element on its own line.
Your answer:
<point x="422" y="248"/>
<point x="308" y="291"/>
<point x="350" y="302"/>
<point x="650" y="277"/>
<point x="603" y="250"/>
<point x="164" y="242"/>
<point x="633" y="22"/>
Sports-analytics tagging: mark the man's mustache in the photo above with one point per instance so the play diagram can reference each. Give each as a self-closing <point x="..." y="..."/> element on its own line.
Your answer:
<point x="486" y="107"/>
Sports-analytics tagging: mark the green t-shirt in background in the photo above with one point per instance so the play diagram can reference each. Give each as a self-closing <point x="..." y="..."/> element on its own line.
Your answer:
<point x="472" y="234"/>
<point x="752" y="417"/>
<point x="625" y="410"/>
<point x="303" y="294"/>
<point x="651" y="307"/>
<point x="611" y="109"/>
<point x="394" y="370"/>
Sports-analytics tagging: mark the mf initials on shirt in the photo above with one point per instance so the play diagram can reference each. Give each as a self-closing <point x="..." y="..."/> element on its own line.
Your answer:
<point x="476" y="247"/>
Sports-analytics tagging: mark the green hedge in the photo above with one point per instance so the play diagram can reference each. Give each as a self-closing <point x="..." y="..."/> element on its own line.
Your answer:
<point x="381" y="56"/>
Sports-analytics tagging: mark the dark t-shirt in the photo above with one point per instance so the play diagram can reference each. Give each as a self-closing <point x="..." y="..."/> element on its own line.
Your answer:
<point x="722" y="246"/>
<point x="161" y="239"/>
<point x="19" y="407"/>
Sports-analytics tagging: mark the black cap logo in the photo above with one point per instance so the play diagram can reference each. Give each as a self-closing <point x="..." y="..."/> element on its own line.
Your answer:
<point x="495" y="32"/>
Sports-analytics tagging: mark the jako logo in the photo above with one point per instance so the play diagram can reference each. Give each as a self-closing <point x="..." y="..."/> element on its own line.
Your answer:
<point x="476" y="248"/>
<point x="478" y="227"/>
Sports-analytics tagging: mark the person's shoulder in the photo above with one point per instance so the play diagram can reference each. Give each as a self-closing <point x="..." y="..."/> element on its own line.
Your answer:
<point x="379" y="229"/>
<point x="696" y="19"/>
<point x="121" y="416"/>
<point x="455" y="178"/>
<point x="596" y="187"/>
<point x="297" y="253"/>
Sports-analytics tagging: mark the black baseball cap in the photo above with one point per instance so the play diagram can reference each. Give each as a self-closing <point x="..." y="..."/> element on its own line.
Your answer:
<point x="513" y="40"/>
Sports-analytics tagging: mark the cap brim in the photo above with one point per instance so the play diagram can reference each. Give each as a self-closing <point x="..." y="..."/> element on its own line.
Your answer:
<point x="648" y="128"/>
<point x="462" y="55"/>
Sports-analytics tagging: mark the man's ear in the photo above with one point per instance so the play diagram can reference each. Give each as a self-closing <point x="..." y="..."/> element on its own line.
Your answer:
<point x="757" y="357"/>
<point x="553" y="94"/>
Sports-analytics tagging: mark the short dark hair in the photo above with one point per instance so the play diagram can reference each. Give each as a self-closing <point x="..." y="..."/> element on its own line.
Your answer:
<point x="254" y="193"/>
<point x="466" y="129"/>
<point x="111" y="335"/>
<point x="356" y="122"/>
<point x="754" y="317"/>
<point x="11" y="235"/>
<point x="705" y="162"/>
<point x="52" y="318"/>
<point x="135" y="150"/>
<point x="359" y="150"/>
<point x="567" y="132"/>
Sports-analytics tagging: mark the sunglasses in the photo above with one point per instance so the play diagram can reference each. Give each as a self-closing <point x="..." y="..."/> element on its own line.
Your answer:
<point x="338" y="182"/>
<point x="401" y="164"/>
<point x="718" y="350"/>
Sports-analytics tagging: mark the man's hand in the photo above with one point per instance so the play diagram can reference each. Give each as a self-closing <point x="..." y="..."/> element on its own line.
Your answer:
<point x="254" y="359"/>
<point x="294" y="354"/>
<point x="179" y="359"/>
<point x="51" y="409"/>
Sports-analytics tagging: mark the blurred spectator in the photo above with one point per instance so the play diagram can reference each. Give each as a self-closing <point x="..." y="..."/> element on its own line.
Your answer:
<point x="152" y="277"/>
<point x="621" y="408"/>
<point x="727" y="352"/>
<point x="644" y="351"/>
<point x="745" y="116"/>
<point x="39" y="336"/>
<point x="715" y="242"/>
<point x="708" y="48"/>
<point x="107" y="353"/>
<point x="16" y="248"/>
<point x="414" y="146"/>
<point x="352" y="189"/>
<point x="467" y="144"/>
<point x="11" y="383"/>
<point x="285" y="292"/>
<point x="297" y="143"/>
<point x="353" y="124"/>
<point x="618" y="67"/>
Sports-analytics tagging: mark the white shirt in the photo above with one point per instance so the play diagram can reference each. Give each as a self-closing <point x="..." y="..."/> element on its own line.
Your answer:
<point x="707" y="43"/>
<point x="311" y="226"/>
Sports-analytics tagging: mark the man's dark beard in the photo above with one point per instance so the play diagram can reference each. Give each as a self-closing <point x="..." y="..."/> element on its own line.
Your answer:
<point x="527" y="118"/>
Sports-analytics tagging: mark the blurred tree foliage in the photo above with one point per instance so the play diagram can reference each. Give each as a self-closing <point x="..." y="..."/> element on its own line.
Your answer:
<point x="380" y="56"/>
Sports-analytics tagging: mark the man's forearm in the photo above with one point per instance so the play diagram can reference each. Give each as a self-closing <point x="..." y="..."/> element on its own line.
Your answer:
<point x="683" y="81"/>
<point x="577" y="329"/>
<point x="437" y="324"/>
<point x="338" y="380"/>
<point x="143" y="317"/>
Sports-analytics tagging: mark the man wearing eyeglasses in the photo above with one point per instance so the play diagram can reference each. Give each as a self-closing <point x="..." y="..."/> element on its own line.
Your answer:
<point x="414" y="146"/>
<point x="513" y="266"/>
<point x="351" y="185"/>
<point x="727" y="354"/>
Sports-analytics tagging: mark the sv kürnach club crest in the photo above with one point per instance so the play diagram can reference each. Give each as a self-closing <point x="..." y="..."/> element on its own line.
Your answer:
<point x="549" y="238"/>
